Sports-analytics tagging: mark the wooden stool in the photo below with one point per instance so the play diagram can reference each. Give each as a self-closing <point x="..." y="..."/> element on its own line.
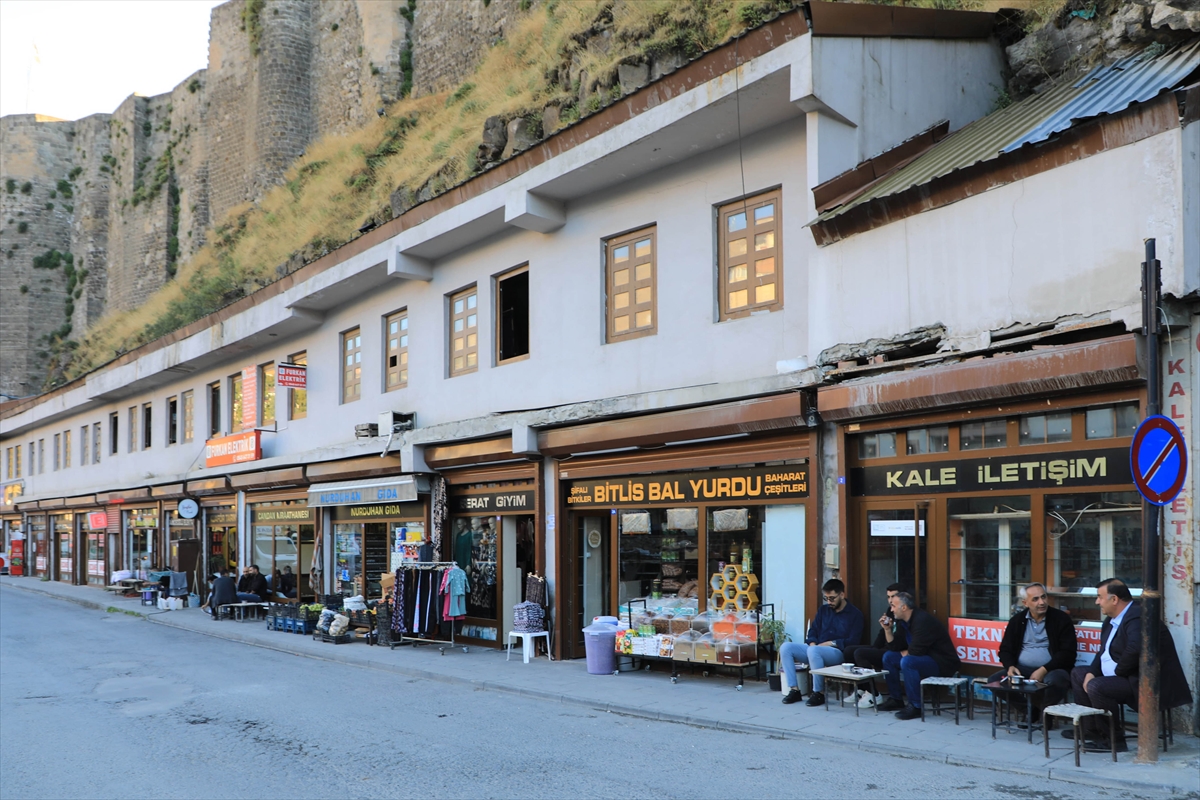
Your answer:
<point x="1075" y="712"/>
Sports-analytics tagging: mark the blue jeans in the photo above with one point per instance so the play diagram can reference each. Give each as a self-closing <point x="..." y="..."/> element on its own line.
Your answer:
<point x="814" y="655"/>
<point x="246" y="597"/>
<point x="913" y="669"/>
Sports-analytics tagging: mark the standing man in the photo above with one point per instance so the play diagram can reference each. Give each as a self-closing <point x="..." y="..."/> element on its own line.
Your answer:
<point x="1039" y="644"/>
<point x="836" y="625"/>
<point x="927" y="652"/>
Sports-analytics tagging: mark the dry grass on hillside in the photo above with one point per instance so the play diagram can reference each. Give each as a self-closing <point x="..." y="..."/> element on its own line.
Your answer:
<point x="343" y="181"/>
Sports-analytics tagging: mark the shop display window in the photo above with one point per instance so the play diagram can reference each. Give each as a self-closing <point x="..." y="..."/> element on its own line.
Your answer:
<point x="983" y="435"/>
<point x="876" y="445"/>
<point x="142" y="524"/>
<point x="919" y="441"/>
<point x="990" y="555"/>
<point x="892" y="557"/>
<point x="64" y="532"/>
<point x="474" y="544"/>
<point x="1108" y="422"/>
<point x="659" y="551"/>
<point x="1090" y="538"/>
<point x="347" y="559"/>
<point x="735" y="537"/>
<point x="1045" y="428"/>
<point x="283" y="547"/>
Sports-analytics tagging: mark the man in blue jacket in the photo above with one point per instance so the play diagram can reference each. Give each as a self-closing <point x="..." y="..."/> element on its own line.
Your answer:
<point x="836" y="626"/>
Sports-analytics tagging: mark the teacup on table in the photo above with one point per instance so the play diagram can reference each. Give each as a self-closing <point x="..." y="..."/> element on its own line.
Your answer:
<point x="1016" y="680"/>
<point x="848" y="667"/>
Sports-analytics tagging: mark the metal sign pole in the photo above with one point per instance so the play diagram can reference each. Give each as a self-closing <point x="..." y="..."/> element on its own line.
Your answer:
<point x="1148" y="683"/>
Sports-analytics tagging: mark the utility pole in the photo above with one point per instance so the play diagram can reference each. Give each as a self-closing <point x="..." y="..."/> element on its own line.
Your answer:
<point x="1148" y="671"/>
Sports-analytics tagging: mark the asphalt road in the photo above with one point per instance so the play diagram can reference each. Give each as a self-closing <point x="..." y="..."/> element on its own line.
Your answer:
<point x="108" y="705"/>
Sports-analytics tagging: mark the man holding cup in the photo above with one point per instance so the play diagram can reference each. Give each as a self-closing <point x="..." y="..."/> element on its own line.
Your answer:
<point x="837" y="625"/>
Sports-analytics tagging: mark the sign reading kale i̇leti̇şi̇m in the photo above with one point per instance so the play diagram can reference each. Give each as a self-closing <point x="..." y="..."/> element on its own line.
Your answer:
<point x="1033" y="471"/>
<point x="721" y="486"/>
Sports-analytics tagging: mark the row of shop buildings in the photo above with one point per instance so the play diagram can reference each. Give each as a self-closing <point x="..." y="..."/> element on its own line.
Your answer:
<point x="778" y="306"/>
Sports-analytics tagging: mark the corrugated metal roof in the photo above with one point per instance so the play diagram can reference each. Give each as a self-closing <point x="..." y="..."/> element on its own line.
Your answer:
<point x="1104" y="90"/>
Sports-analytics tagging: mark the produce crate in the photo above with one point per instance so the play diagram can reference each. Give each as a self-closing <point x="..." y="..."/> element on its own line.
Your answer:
<point x="345" y="638"/>
<point x="305" y="626"/>
<point x="362" y="619"/>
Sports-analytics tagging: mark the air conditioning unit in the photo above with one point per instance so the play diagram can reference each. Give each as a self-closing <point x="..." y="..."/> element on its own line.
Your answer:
<point x="396" y="422"/>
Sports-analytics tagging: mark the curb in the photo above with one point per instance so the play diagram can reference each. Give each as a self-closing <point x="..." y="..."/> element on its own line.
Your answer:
<point x="1047" y="773"/>
<point x="79" y="601"/>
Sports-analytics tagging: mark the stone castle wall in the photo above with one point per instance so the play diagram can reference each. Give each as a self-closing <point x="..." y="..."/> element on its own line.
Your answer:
<point x="220" y="139"/>
<point x="33" y="220"/>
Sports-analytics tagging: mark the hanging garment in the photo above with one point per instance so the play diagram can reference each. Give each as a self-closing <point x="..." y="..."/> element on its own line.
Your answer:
<point x="462" y="549"/>
<point x="459" y="587"/>
<point x="439" y="512"/>
<point x="398" y="602"/>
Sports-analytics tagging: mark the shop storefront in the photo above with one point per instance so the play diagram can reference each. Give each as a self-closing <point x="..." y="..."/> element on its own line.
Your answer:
<point x="14" y="544"/>
<point x="283" y="536"/>
<point x="143" y="550"/>
<point x="63" y="545"/>
<point x="37" y="541"/>
<point x="966" y="507"/>
<point x="93" y="527"/>
<point x="221" y="537"/>
<point x="375" y="524"/>
<point x="491" y="533"/>
<point x="660" y="524"/>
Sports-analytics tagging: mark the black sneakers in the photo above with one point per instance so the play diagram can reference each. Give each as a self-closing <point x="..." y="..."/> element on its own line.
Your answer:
<point x="793" y="696"/>
<point x="908" y="712"/>
<point x="891" y="704"/>
<point x="815" y="699"/>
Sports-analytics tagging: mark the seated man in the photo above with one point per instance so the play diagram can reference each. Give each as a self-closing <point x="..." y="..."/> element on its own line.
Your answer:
<point x="252" y="588"/>
<point x="287" y="583"/>
<point x="224" y="591"/>
<point x="927" y="652"/>
<point x="870" y="656"/>
<point x="1039" y="644"/>
<point x="836" y="625"/>
<point x="1112" y="678"/>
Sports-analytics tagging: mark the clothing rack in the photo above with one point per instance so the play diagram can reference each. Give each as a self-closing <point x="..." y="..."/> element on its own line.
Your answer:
<point x="418" y="640"/>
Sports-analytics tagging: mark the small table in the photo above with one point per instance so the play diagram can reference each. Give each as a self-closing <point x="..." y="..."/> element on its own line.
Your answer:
<point x="239" y="609"/>
<point x="1006" y="693"/>
<point x="840" y="677"/>
<point x="527" y="640"/>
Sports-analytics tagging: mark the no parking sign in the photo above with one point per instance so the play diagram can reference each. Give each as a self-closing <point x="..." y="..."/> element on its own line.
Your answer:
<point x="1158" y="459"/>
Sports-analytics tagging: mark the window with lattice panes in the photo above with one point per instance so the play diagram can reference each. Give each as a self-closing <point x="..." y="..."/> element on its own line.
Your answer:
<point x="750" y="259"/>
<point x="464" y="331"/>
<point x="351" y="365"/>
<point x="396" y="357"/>
<point x="266" y="389"/>
<point x="632" y="285"/>
<point x="299" y="397"/>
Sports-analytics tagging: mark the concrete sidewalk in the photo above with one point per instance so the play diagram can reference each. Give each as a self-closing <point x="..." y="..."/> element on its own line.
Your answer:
<point x="695" y="700"/>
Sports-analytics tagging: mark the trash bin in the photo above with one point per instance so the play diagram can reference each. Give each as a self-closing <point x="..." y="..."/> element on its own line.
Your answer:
<point x="600" y="641"/>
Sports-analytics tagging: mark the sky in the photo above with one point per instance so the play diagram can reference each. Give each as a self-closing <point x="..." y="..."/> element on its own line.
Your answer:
<point x="72" y="58"/>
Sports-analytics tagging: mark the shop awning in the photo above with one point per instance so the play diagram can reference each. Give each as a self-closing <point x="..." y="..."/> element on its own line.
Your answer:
<point x="393" y="489"/>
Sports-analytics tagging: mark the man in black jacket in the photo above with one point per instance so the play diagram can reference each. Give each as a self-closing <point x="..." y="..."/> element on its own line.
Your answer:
<point x="1039" y="643"/>
<point x="224" y="592"/>
<point x="252" y="587"/>
<point x="928" y="652"/>
<point x="870" y="656"/>
<point x="1112" y="679"/>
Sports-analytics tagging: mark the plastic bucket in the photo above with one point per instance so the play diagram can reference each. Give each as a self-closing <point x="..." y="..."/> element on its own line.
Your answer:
<point x="599" y="642"/>
<point x="605" y="621"/>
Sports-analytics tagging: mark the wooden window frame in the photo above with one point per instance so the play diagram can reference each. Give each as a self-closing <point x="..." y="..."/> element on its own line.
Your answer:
<point x="172" y="424"/>
<point x="354" y="353"/>
<point x="147" y="425"/>
<point x="85" y="432"/>
<point x="187" y="416"/>
<point x="466" y="294"/>
<point x="214" y="405"/>
<point x="400" y="351"/>
<point x="611" y="289"/>
<point x="266" y="387"/>
<point x="67" y="445"/>
<point x="497" y="315"/>
<point x="300" y="359"/>
<point x="57" y="460"/>
<point x="749" y="205"/>
<point x="236" y="413"/>
<point x="134" y="421"/>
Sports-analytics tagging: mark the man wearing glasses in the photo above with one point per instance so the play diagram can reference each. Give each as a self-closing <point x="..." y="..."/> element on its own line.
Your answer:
<point x="837" y="625"/>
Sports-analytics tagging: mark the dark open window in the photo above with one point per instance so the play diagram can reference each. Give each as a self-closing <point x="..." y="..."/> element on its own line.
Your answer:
<point x="172" y="420"/>
<point x="147" y="425"/>
<point x="512" y="315"/>
<point x="114" y="422"/>
<point x="214" y="409"/>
